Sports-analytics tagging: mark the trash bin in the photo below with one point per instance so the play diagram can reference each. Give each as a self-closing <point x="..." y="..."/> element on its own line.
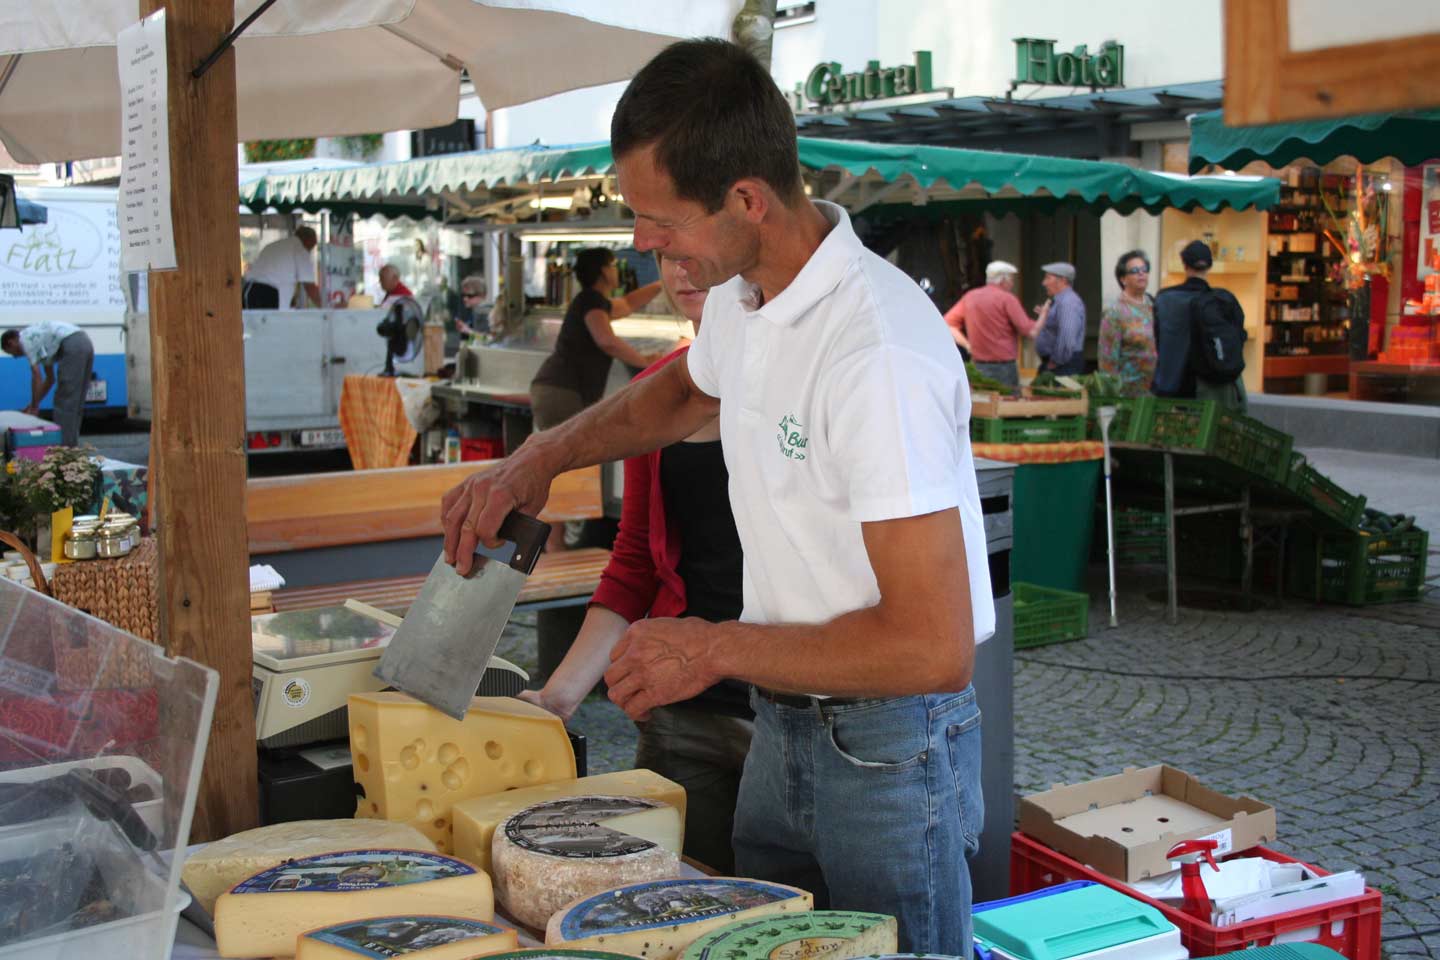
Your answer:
<point x="1054" y="518"/>
<point x="994" y="691"/>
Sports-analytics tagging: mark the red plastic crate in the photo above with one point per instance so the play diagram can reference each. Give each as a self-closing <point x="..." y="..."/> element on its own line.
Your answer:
<point x="481" y="448"/>
<point x="1351" y="927"/>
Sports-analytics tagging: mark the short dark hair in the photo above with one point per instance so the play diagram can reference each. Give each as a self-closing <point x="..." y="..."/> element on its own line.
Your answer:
<point x="589" y="262"/>
<point x="8" y="337"/>
<point x="1125" y="258"/>
<point x="715" y="116"/>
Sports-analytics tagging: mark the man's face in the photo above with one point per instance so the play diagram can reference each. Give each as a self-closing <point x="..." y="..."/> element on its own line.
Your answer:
<point x="12" y="347"/>
<point x="388" y="279"/>
<point x="1053" y="284"/>
<point x="710" y="247"/>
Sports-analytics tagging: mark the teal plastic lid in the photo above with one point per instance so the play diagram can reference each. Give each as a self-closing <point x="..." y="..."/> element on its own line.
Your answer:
<point x="1066" y="921"/>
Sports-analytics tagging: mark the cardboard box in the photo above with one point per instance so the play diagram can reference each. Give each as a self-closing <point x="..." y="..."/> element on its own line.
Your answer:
<point x="1124" y="825"/>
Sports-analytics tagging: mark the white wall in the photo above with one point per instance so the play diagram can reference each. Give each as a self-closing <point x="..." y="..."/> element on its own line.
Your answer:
<point x="972" y="42"/>
<point x="580" y="116"/>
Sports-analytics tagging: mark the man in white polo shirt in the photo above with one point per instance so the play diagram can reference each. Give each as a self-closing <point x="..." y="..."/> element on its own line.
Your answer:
<point x="271" y="281"/>
<point x="844" y="417"/>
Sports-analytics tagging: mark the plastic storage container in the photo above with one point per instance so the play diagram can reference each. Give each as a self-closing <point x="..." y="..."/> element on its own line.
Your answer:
<point x="1075" y="921"/>
<point x="1350" y="927"/>
<point x="31" y="443"/>
<point x="1044" y="615"/>
<point x="98" y="778"/>
<point x="1026" y="429"/>
<point x="1359" y="568"/>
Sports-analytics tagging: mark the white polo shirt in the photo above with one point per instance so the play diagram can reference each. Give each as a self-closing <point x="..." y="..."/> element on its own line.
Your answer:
<point x="282" y="265"/>
<point x="843" y="401"/>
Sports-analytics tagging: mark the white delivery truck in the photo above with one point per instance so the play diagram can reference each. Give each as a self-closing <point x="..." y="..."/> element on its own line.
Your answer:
<point x="68" y="269"/>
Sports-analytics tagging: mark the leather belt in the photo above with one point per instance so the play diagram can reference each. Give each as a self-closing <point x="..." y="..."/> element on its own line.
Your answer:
<point x="802" y="702"/>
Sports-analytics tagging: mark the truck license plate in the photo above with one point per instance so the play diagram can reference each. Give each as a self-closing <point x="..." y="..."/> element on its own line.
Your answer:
<point x="97" y="391"/>
<point x="322" y="438"/>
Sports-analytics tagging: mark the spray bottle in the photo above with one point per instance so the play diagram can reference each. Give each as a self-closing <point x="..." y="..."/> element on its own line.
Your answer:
<point x="1189" y="853"/>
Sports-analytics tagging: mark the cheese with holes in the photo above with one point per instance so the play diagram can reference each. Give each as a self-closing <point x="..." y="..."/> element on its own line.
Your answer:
<point x="552" y="853"/>
<point x="264" y="915"/>
<point x="818" y="935"/>
<point x="421" y="937"/>
<point x="658" y="920"/>
<point x="222" y="864"/>
<point x="414" y="763"/>
<point x="475" y="819"/>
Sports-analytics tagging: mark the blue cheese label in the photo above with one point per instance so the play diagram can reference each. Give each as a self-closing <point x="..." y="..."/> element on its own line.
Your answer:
<point x="355" y="870"/>
<point x="571" y="827"/>
<point x="664" y="903"/>
<point x="385" y="937"/>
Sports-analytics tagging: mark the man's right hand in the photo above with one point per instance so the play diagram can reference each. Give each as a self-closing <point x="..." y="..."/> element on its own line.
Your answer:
<point x="472" y="511"/>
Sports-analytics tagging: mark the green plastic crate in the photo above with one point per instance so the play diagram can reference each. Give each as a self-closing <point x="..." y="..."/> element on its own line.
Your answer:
<point x="1026" y="429"/>
<point x="1131" y="413"/>
<point x="1359" y="568"/>
<point x="1179" y="424"/>
<point x="1324" y="495"/>
<point x="1044" y="615"/>
<point x="1253" y="447"/>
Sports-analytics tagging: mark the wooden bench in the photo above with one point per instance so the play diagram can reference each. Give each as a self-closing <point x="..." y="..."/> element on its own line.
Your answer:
<point x="326" y="515"/>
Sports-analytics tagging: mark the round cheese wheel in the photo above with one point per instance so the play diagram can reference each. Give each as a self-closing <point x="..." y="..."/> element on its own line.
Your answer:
<point x="817" y="935"/>
<point x="551" y="853"/>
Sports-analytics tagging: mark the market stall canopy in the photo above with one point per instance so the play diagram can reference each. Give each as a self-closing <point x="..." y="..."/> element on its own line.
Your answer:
<point x="865" y="177"/>
<point x="338" y="68"/>
<point x="1410" y="137"/>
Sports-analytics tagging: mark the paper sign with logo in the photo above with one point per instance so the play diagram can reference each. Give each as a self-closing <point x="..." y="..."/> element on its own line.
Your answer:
<point x="341" y="274"/>
<point x="70" y="262"/>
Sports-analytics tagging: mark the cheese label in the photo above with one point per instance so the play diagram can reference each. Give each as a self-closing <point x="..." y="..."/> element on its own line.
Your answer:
<point x="386" y="937"/>
<point x="572" y="827"/>
<point x="353" y="870"/>
<point x="802" y="936"/>
<point x="664" y="903"/>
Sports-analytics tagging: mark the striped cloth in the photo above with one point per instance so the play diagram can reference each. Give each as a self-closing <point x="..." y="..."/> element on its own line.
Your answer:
<point x="377" y="432"/>
<point x="1066" y="452"/>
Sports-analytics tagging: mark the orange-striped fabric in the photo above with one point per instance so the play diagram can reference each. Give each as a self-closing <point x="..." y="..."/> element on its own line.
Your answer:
<point x="377" y="432"/>
<point x="1067" y="452"/>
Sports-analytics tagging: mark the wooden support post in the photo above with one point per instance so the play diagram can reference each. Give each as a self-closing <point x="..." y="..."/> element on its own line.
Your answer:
<point x="198" y="379"/>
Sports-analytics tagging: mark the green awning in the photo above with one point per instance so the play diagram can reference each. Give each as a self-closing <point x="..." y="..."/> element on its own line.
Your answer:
<point x="862" y="176"/>
<point x="1411" y="137"/>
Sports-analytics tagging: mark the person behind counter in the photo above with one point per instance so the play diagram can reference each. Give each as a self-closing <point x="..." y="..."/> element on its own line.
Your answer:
<point x="677" y="554"/>
<point x="271" y="280"/>
<point x="393" y="287"/>
<point x="573" y="377"/>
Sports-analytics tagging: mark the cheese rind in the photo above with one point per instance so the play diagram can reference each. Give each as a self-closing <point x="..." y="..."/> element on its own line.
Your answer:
<point x="658" y="920"/>
<point x="818" y="935"/>
<point x="422" y="937"/>
<point x="222" y="864"/>
<point x="264" y="915"/>
<point x="414" y="763"/>
<point x="555" y="852"/>
<point x="475" y="820"/>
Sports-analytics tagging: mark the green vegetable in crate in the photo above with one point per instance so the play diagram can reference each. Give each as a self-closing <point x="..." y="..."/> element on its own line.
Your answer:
<point x="978" y="380"/>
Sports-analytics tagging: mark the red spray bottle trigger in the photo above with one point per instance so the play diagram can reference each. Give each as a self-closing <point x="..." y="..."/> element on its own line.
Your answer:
<point x="1189" y="853"/>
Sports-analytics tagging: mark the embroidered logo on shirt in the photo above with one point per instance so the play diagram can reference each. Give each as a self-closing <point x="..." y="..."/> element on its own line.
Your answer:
<point x="792" y="438"/>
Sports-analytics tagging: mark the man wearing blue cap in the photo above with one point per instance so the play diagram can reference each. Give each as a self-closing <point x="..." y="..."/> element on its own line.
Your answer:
<point x="1199" y="337"/>
<point x="1061" y="344"/>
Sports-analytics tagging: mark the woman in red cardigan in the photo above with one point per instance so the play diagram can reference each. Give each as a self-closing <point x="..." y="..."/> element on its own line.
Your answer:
<point x="676" y="555"/>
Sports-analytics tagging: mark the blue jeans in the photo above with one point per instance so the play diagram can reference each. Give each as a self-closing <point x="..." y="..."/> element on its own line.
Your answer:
<point x="873" y="805"/>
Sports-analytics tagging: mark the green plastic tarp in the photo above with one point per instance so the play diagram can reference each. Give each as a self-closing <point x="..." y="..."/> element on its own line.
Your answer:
<point x="1410" y="137"/>
<point x="945" y="175"/>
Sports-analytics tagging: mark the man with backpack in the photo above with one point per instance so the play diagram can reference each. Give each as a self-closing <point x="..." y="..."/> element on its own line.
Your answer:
<point x="1199" y="337"/>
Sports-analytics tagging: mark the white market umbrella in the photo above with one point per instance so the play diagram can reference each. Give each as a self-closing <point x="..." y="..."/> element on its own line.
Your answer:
<point x="309" y="68"/>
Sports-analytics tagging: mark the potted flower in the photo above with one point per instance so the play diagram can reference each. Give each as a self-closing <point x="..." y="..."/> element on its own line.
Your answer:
<point x="64" y="479"/>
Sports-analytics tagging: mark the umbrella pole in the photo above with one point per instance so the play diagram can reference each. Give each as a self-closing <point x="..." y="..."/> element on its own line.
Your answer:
<point x="198" y="379"/>
<point x="1106" y="415"/>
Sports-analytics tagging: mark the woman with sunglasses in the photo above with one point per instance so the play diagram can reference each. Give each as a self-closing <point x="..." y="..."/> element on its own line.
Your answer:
<point x="1127" y="328"/>
<point x="677" y="554"/>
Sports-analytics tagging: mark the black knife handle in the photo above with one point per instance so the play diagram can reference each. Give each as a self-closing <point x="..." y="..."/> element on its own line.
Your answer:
<point x="528" y="535"/>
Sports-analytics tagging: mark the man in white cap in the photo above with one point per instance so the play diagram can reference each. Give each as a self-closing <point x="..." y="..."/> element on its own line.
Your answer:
<point x="1061" y="345"/>
<point x="986" y="319"/>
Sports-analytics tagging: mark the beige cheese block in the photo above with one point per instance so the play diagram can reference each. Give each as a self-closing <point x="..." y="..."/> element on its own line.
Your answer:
<point x="222" y="864"/>
<point x="659" y="919"/>
<point x="264" y="915"/>
<point x="817" y="935"/>
<point x="422" y="937"/>
<point x="555" y="852"/>
<point x="414" y="763"/>
<point x="476" y="819"/>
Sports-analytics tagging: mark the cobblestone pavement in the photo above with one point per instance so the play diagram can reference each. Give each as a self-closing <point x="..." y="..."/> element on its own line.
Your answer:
<point x="1330" y="714"/>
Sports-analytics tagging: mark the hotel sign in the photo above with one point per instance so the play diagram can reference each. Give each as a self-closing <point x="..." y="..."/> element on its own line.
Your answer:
<point x="828" y="86"/>
<point x="1037" y="62"/>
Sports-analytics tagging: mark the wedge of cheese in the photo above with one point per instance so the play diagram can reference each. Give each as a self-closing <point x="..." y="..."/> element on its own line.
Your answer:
<point x="413" y="763"/>
<point x="222" y="864"/>
<point x="552" y="853"/>
<point x="658" y="920"/>
<point x="265" y="915"/>
<point x="818" y="935"/>
<point x="421" y="937"/>
<point x="475" y="819"/>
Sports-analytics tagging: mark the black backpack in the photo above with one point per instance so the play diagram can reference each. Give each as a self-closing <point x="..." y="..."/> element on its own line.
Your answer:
<point x="1217" y="337"/>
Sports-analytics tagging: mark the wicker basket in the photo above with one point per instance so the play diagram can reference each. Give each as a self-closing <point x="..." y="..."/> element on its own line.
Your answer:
<point x="123" y="592"/>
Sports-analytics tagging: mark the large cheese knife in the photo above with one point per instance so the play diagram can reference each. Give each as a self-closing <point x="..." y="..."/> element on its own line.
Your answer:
<point x="441" y="649"/>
